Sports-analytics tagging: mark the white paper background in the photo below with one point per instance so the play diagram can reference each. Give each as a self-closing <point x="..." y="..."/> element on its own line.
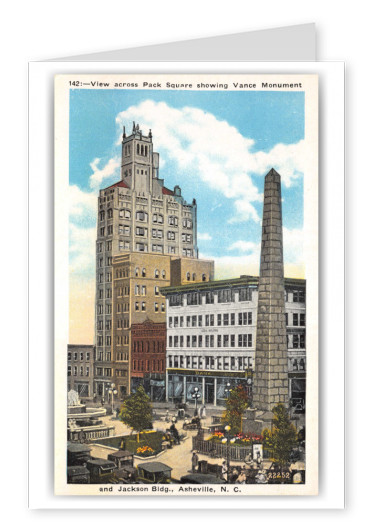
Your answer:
<point x="331" y="415"/>
<point x="344" y="32"/>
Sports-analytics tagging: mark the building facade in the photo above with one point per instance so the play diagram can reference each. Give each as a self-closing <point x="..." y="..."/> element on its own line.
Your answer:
<point x="80" y="364"/>
<point x="137" y="279"/>
<point x="148" y="355"/>
<point x="211" y="334"/>
<point x="138" y="214"/>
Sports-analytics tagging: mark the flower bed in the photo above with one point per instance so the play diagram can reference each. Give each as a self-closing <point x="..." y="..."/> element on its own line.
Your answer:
<point x="241" y="439"/>
<point x="145" y="451"/>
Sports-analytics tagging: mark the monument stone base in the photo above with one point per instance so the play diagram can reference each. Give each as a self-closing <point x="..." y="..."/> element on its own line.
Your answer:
<point x="255" y="421"/>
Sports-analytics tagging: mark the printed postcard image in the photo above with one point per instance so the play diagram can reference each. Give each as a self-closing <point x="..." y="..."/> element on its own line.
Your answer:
<point x="186" y="284"/>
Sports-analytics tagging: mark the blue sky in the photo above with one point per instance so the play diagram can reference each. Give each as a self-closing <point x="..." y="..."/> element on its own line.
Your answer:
<point x="217" y="145"/>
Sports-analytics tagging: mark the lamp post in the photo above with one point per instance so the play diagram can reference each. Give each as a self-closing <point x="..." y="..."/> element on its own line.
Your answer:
<point x="227" y="441"/>
<point x="112" y="391"/>
<point x="196" y="395"/>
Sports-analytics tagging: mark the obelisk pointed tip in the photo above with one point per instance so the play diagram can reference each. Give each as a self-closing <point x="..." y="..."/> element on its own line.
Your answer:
<point x="272" y="173"/>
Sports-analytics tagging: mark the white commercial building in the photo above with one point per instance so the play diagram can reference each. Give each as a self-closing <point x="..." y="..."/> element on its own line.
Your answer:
<point x="211" y="336"/>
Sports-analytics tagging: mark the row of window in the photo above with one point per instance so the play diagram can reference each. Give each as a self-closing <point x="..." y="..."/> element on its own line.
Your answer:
<point x="223" y="341"/>
<point x="101" y="277"/>
<point x="108" y="324"/>
<point x="124" y="273"/>
<point x="122" y="340"/>
<point x="149" y="365"/>
<point x="142" y="306"/>
<point x="297" y="364"/>
<point x="226" y="319"/>
<point x="122" y="356"/>
<point x="210" y="362"/>
<point x="106" y="307"/>
<point x="108" y="293"/>
<point x="100" y="246"/>
<point x="222" y="295"/>
<point x="78" y="356"/>
<point x="103" y="356"/>
<point x="100" y="342"/>
<point x="122" y="323"/>
<point x="103" y="371"/>
<point x="148" y="346"/>
<point x="297" y="319"/>
<point x="84" y="371"/>
<point x="107" y="263"/>
<point x="296" y="341"/>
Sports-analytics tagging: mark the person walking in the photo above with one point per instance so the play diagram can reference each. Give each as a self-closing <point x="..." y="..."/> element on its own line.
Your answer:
<point x="194" y="461"/>
<point x="224" y="471"/>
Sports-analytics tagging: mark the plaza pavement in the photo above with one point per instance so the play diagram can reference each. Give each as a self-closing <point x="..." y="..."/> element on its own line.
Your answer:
<point x="179" y="457"/>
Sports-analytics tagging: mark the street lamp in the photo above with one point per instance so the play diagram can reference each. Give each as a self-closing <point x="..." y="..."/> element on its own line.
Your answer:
<point x="196" y="395"/>
<point x="228" y="389"/>
<point x="227" y="441"/>
<point x="112" y="391"/>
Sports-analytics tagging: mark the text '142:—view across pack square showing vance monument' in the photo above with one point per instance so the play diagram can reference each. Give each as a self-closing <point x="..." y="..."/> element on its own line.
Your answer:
<point x="189" y="360"/>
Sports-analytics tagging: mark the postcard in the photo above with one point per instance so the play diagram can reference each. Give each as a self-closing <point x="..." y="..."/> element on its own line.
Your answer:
<point x="186" y="279"/>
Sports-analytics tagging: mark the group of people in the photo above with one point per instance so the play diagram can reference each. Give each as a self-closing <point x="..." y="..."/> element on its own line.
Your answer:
<point x="235" y="475"/>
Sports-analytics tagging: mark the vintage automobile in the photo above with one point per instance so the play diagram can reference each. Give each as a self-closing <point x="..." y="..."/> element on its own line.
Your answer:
<point x="78" y="474"/>
<point x="193" y="424"/>
<point x="102" y="471"/>
<point x="201" y="479"/>
<point x="125" y="469"/>
<point x="154" y="472"/>
<point x="77" y="453"/>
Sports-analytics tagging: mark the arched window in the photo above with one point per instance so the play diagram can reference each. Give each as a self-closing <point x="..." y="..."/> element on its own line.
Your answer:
<point x="188" y="276"/>
<point x="156" y="273"/>
<point x="146" y="151"/>
<point x="204" y="277"/>
<point x="143" y="272"/>
<point x="136" y="272"/>
<point x="163" y="273"/>
<point x="194" y="276"/>
<point x="138" y="149"/>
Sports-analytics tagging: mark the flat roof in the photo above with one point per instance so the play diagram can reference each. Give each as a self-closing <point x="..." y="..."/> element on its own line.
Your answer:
<point x="156" y="466"/>
<point x="244" y="280"/>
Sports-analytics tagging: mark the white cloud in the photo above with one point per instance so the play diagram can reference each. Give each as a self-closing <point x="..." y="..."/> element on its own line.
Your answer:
<point x="82" y="250"/>
<point x="215" y="152"/>
<point x="203" y="236"/>
<point x="293" y="245"/>
<point x="244" y="246"/>
<point x="110" y="169"/>
<point x="82" y="204"/>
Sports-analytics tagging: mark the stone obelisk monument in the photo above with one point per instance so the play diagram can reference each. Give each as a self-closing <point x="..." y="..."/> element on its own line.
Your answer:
<point x="270" y="386"/>
<point x="270" y="381"/>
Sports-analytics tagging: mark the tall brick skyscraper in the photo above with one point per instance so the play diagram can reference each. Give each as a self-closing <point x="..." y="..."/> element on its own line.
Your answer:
<point x="271" y="368"/>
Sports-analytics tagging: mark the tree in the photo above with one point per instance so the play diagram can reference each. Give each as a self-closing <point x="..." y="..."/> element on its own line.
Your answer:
<point x="136" y="411"/>
<point x="282" y="438"/>
<point x="236" y="404"/>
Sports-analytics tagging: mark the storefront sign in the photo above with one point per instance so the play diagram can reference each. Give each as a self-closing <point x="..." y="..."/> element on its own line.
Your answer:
<point x="213" y="374"/>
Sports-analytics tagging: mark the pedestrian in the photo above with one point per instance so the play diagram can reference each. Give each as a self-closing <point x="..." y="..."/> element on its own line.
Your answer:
<point x="194" y="461"/>
<point x="224" y="471"/>
<point x="234" y="475"/>
<point x="175" y="433"/>
<point x="203" y="416"/>
<point x="242" y="477"/>
<point x="200" y="412"/>
<point x="259" y="459"/>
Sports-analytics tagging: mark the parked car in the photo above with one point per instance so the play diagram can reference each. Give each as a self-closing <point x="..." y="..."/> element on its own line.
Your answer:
<point x="125" y="469"/>
<point x="154" y="472"/>
<point x="77" y="454"/>
<point x="101" y="471"/>
<point x="78" y="474"/>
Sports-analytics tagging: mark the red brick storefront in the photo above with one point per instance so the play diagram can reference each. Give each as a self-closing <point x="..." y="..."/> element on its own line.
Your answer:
<point x="148" y="358"/>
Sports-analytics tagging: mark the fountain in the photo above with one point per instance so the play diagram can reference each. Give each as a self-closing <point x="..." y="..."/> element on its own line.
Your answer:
<point x="84" y="423"/>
